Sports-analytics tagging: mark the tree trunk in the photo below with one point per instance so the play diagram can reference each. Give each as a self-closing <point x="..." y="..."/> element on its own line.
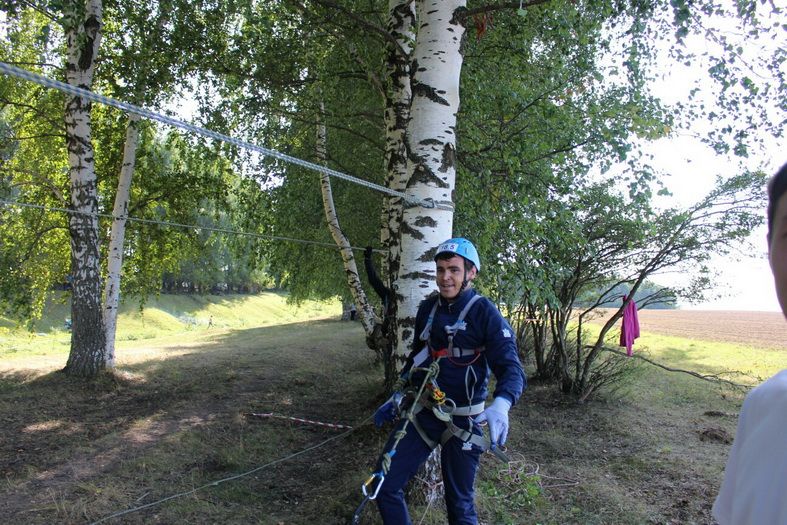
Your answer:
<point x="557" y="324"/>
<point x="117" y="237"/>
<point x="401" y="20"/>
<point x="364" y="308"/>
<point x="83" y="35"/>
<point x="431" y="171"/>
<point x="431" y="149"/>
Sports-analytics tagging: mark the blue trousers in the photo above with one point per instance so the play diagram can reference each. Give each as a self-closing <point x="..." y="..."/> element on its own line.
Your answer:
<point x="459" y="466"/>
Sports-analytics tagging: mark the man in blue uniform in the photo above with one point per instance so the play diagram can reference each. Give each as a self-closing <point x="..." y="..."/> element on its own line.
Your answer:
<point x="468" y="338"/>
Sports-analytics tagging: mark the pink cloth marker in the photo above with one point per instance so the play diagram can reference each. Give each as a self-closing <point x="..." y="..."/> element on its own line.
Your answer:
<point x="630" y="326"/>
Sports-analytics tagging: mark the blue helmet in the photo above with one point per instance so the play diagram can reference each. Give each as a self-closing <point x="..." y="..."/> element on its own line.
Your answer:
<point x="461" y="247"/>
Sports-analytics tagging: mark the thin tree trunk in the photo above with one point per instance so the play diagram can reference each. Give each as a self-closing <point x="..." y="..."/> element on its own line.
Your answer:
<point x="117" y="237"/>
<point x="431" y="148"/>
<point x="83" y="36"/>
<point x="364" y="308"/>
<point x="599" y="344"/>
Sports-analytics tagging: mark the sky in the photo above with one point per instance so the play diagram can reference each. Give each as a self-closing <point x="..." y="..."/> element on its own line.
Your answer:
<point x="691" y="167"/>
<point x="743" y="284"/>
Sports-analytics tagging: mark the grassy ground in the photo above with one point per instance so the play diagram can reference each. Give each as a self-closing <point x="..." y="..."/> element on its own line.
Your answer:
<point x="162" y="320"/>
<point x="174" y="418"/>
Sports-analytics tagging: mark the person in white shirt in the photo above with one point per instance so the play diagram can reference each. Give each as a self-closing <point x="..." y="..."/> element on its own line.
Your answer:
<point x="754" y="490"/>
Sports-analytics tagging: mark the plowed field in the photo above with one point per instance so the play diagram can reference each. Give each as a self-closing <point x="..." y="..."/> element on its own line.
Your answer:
<point x="759" y="329"/>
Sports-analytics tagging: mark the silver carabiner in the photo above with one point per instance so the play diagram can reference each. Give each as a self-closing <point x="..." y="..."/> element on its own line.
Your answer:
<point x="444" y="411"/>
<point x="369" y="482"/>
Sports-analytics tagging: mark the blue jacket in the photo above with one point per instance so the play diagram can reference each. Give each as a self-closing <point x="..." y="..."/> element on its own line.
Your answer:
<point x="464" y="383"/>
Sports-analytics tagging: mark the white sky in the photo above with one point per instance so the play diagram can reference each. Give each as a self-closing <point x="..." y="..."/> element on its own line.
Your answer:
<point x="746" y="283"/>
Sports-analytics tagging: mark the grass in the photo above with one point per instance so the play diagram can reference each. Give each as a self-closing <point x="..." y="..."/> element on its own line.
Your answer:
<point x="173" y="418"/>
<point x="163" y="320"/>
<point x="753" y="365"/>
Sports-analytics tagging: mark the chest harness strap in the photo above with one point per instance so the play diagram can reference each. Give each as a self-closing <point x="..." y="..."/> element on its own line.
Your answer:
<point x="450" y="351"/>
<point x="445" y="409"/>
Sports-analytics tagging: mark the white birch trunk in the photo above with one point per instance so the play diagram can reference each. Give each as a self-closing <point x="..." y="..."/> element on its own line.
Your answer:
<point x="117" y="238"/>
<point x="431" y="141"/>
<point x="401" y="20"/>
<point x="83" y="36"/>
<point x="363" y="307"/>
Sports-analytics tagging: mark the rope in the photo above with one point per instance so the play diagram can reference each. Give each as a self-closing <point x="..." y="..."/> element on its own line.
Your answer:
<point x="24" y="74"/>
<point x="231" y="478"/>
<point x="431" y="372"/>
<point x="386" y="457"/>
<point x="299" y="420"/>
<point x="4" y="202"/>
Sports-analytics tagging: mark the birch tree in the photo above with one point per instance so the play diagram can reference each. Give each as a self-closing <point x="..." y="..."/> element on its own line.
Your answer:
<point x="83" y="24"/>
<point x="348" y="33"/>
<point x="398" y="93"/>
<point x="366" y="313"/>
<point x="431" y="155"/>
<point x="117" y="238"/>
<point x="149" y="59"/>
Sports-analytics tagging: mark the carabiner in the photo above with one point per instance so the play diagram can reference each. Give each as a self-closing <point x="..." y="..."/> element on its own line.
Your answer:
<point x="369" y="482"/>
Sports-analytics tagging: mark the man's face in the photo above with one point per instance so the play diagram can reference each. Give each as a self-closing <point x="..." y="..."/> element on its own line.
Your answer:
<point x="777" y="251"/>
<point x="450" y="274"/>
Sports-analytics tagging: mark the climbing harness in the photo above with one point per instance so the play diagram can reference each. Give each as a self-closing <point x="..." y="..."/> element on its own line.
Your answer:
<point x="429" y="396"/>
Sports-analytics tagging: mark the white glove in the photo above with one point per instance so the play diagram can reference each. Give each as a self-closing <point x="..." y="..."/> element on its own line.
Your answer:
<point x="496" y="415"/>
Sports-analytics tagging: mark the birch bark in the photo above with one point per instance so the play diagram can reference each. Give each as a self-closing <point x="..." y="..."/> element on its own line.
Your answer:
<point x="117" y="238"/>
<point x="365" y="310"/>
<point x="431" y="149"/>
<point x="401" y="20"/>
<point x="83" y="36"/>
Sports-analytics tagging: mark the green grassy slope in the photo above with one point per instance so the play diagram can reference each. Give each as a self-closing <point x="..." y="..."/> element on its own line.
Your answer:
<point x="163" y="316"/>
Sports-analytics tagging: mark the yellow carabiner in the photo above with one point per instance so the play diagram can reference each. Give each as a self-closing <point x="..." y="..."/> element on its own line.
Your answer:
<point x="438" y="396"/>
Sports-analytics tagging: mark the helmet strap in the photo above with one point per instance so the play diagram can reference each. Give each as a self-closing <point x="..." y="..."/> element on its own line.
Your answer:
<point x="464" y="283"/>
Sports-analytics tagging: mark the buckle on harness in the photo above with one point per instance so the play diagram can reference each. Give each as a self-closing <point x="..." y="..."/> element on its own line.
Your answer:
<point x="451" y="353"/>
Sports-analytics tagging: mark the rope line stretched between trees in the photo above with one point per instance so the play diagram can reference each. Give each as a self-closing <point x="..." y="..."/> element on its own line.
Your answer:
<point x="47" y="82"/>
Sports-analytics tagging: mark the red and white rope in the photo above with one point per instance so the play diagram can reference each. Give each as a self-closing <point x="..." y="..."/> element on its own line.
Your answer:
<point x="300" y="420"/>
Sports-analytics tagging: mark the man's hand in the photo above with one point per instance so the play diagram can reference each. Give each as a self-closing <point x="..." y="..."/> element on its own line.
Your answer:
<point x="388" y="410"/>
<point x="496" y="415"/>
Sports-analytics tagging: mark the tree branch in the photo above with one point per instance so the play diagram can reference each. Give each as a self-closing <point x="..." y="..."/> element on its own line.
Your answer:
<point x="500" y="7"/>
<point x="713" y="378"/>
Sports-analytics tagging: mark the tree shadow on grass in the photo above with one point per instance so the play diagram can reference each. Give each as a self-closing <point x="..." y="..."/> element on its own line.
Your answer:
<point x="186" y="407"/>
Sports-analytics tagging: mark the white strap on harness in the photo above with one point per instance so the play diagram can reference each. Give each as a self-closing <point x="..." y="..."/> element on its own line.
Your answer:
<point x="452" y="329"/>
